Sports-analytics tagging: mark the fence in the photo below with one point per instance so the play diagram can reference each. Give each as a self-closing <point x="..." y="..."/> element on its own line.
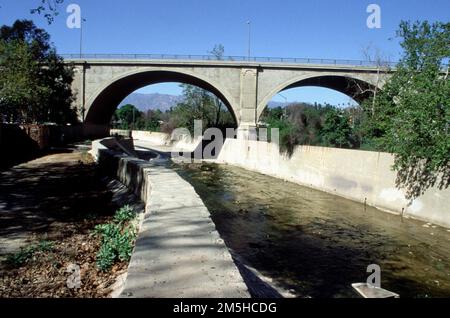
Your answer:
<point x="190" y="57"/>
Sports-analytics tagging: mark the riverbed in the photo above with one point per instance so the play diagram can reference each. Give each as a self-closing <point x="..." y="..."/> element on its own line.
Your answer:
<point x="317" y="244"/>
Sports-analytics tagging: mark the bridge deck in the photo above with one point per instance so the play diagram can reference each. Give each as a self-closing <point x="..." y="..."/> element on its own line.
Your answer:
<point x="226" y="60"/>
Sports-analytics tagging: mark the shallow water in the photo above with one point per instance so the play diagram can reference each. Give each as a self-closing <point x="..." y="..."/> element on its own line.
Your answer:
<point x="318" y="244"/>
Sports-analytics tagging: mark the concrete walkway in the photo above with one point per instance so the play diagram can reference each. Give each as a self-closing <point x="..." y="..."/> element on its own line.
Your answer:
<point x="178" y="252"/>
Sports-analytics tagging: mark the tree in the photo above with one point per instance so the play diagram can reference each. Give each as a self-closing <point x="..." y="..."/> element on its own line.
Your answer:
<point x="411" y="115"/>
<point x="20" y="89"/>
<point x="336" y="129"/>
<point x="317" y="125"/>
<point x="152" y="120"/>
<point x="199" y="104"/>
<point x="35" y="84"/>
<point x="127" y="116"/>
<point x="218" y="51"/>
<point x="275" y="118"/>
<point x="49" y="8"/>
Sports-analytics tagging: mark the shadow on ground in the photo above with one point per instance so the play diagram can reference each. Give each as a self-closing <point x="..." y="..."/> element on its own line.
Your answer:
<point x="41" y="196"/>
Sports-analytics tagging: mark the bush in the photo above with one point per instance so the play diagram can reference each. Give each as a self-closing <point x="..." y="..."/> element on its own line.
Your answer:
<point x="117" y="239"/>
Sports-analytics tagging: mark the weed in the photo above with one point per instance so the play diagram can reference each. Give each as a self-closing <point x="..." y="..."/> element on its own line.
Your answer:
<point x="124" y="214"/>
<point x="25" y="253"/>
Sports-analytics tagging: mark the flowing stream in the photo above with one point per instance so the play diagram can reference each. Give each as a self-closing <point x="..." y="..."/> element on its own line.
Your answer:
<point x="317" y="244"/>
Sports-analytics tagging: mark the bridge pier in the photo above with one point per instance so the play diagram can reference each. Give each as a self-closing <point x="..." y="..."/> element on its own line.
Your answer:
<point x="247" y="132"/>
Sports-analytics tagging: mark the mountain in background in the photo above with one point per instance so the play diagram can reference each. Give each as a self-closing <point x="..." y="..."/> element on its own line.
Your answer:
<point x="145" y="102"/>
<point x="273" y="104"/>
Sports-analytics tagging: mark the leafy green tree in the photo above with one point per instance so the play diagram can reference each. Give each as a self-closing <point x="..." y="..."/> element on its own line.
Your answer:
<point x="20" y="88"/>
<point x="152" y="120"/>
<point x="306" y="124"/>
<point x="336" y="129"/>
<point x="35" y="84"/>
<point x="58" y="77"/>
<point x="127" y="116"/>
<point x="288" y="132"/>
<point x="411" y="115"/>
<point x="199" y="104"/>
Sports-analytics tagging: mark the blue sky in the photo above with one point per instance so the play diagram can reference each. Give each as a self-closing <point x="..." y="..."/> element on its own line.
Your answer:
<point x="291" y="28"/>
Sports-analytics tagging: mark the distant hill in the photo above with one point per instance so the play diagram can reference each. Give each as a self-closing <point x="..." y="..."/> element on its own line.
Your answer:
<point x="273" y="104"/>
<point x="145" y="102"/>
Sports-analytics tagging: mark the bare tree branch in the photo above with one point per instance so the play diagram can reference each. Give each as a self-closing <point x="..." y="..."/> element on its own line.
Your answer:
<point x="49" y="8"/>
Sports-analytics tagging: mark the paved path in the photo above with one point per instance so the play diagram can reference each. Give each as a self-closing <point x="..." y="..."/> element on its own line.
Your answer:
<point x="179" y="253"/>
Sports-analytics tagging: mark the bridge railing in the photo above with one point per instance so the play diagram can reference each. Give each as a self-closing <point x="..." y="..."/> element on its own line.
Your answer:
<point x="227" y="58"/>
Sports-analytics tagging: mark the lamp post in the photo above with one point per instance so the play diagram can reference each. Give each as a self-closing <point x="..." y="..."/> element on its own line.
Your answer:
<point x="81" y="37"/>
<point x="249" y="38"/>
<point x="285" y="104"/>
<point x="84" y="71"/>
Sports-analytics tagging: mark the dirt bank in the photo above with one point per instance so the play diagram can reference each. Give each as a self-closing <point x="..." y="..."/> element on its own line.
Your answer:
<point x="55" y="200"/>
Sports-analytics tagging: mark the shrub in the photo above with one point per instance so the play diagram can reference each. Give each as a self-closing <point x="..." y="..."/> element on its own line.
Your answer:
<point x="117" y="239"/>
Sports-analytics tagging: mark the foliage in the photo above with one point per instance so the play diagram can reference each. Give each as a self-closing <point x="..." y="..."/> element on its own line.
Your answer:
<point x="117" y="239"/>
<point x="411" y="115"/>
<point x="124" y="214"/>
<point x="320" y="125"/>
<point x="49" y="8"/>
<point x="106" y="256"/>
<point x="199" y="104"/>
<point x="151" y="120"/>
<point x="127" y="116"/>
<point x="25" y="253"/>
<point x="276" y="118"/>
<point x="35" y="84"/>
<point x="218" y="51"/>
<point x="336" y="129"/>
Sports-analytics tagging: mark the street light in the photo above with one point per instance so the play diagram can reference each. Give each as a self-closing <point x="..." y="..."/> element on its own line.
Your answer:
<point x="284" y="97"/>
<point x="285" y="105"/>
<point x="249" y="38"/>
<point x="81" y="37"/>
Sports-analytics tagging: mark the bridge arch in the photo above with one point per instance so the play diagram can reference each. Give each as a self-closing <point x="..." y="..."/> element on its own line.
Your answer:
<point x="101" y="105"/>
<point x="353" y="86"/>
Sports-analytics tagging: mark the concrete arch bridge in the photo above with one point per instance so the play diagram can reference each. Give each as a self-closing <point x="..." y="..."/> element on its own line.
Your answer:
<point x="244" y="85"/>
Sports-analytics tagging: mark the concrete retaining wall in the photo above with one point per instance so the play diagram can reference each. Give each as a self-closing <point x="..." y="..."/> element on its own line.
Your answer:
<point x="183" y="143"/>
<point x="157" y="138"/>
<point x="131" y="172"/>
<point x="362" y="176"/>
